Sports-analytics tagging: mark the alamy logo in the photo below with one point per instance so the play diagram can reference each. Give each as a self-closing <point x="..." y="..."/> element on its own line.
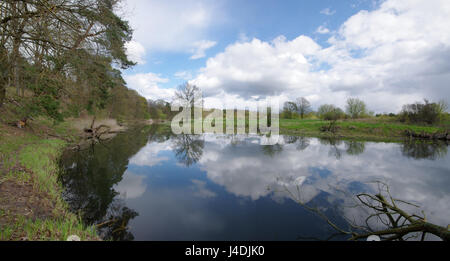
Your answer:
<point x="261" y="118"/>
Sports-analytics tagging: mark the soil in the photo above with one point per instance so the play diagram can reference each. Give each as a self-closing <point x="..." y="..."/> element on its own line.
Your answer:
<point x="20" y="198"/>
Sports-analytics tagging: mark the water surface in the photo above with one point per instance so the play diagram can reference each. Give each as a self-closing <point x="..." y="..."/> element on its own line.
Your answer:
<point x="147" y="184"/>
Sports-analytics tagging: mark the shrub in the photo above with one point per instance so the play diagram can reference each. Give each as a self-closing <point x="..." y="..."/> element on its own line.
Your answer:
<point x="330" y="112"/>
<point x="421" y="112"/>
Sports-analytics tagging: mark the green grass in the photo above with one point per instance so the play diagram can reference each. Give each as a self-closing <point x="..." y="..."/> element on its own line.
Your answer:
<point x="366" y="128"/>
<point x="47" y="229"/>
<point x="29" y="158"/>
<point x="40" y="157"/>
<point x="379" y="129"/>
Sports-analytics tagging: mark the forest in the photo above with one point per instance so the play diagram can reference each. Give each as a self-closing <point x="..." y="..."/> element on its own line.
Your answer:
<point x="60" y="58"/>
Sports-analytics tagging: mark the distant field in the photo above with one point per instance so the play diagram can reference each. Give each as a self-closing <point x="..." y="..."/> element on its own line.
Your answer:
<point x="373" y="128"/>
<point x="376" y="128"/>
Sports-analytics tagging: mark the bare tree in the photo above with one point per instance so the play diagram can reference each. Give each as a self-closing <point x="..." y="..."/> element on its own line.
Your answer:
<point x="190" y="94"/>
<point x="443" y="106"/>
<point x="303" y="106"/>
<point x="289" y="109"/>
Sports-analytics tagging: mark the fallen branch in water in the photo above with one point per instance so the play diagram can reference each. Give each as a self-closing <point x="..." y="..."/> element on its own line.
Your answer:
<point x="399" y="223"/>
<point x="95" y="133"/>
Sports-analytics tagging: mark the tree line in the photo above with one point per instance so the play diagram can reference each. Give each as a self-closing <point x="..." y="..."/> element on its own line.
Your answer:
<point x="426" y="112"/>
<point x="61" y="57"/>
<point x="302" y="108"/>
<point x="355" y="108"/>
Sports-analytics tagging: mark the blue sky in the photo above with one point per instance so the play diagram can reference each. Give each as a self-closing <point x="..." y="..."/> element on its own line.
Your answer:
<point x="205" y="41"/>
<point x="262" y="19"/>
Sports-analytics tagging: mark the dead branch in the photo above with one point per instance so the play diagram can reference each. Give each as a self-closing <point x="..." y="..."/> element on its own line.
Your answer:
<point x="96" y="134"/>
<point x="399" y="223"/>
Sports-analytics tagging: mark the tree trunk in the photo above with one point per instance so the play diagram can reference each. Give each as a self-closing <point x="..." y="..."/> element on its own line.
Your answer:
<point x="4" y="76"/>
<point x="17" y="28"/>
<point x="15" y="65"/>
<point x="2" y="93"/>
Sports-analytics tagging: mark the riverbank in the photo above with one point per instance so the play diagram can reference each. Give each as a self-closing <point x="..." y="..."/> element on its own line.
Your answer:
<point x="31" y="203"/>
<point x="372" y="129"/>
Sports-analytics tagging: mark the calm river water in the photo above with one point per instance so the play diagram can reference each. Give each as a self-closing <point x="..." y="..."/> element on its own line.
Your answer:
<point x="148" y="184"/>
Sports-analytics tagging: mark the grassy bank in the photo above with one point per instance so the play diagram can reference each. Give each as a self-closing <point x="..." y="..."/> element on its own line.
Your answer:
<point x="364" y="129"/>
<point x="31" y="203"/>
<point x="386" y="129"/>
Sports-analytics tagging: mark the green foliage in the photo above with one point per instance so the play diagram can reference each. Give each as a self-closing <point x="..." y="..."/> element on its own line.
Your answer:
<point x="356" y="108"/>
<point x="330" y="112"/>
<point x="38" y="156"/>
<point x="426" y="112"/>
<point x="301" y="107"/>
<point x="385" y="115"/>
<point x="66" y="62"/>
<point x="374" y="128"/>
<point x="47" y="105"/>
<point x="160" y="109"/>
<point x="126" y="104"/>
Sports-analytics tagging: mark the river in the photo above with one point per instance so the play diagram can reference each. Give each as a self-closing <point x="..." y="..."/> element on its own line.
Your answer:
<point x="148" y="184"/>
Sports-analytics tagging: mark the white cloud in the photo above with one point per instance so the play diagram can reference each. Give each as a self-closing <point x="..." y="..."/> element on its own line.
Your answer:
<point x="257" y="67"/>
<point x="149" y="155"/>
<point x="131" y="186"/>
<point x="387" y="57"/>
<point x="200" y="190"/>
<point x="146" y="84"/>
<point x="185" y="75"/>
<point x="322" y="30"/>
<point x="200" y="47"/>
<point x="136" y="52"/>
<point x="171" y="25"/>
<point x="328" y="11"/>
<point x="224" y="161"/>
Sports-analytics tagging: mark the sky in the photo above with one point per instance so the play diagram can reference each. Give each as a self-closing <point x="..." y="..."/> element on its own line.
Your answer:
<point x="385" y="52"/>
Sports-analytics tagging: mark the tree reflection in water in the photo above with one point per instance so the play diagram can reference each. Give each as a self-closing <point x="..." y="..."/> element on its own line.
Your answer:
<point x="334" y="151"/>
<point x="89" y="177"/>
<point x="303" y="143"/>
<point x="272" y="150"/>
<point x="354" y="147"/>
<point x="424" y="149"/>
<point x="115" y="224"/>
<point x="413" y="148"/>
<point x="188" y="148"/>
<point x="290" y="139"/>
